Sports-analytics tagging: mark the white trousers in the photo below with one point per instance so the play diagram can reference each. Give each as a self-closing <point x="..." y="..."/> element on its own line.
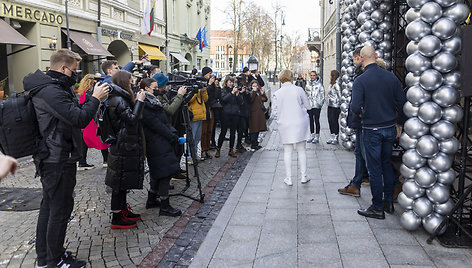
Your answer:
<point x="301" y="150"/>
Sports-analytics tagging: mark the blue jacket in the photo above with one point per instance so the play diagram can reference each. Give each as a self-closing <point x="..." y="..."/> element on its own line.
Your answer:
<point x="378" y="95"/>
<point x="128" y="67"/>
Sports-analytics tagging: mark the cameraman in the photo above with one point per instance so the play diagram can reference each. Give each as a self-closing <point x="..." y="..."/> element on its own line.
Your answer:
<point x="110" y="67"/>
<point x="169" y="106"/>
<point x="207" y="125"/>
<point x="253" y="75"/>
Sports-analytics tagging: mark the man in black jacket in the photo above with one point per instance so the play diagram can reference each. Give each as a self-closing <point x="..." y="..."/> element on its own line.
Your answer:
<point x="60" y="120"/>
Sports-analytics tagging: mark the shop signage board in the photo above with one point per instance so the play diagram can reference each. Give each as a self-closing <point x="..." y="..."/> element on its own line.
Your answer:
<point x="16" y="11"/>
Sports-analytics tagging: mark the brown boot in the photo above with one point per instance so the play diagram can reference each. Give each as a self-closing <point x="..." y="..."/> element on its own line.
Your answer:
<point x="351" y="190"/>
<point x="232" y="153"/>
<point x="397" y="189"/>
<point x="365" y="181"/>
<point x="217" y="154"/>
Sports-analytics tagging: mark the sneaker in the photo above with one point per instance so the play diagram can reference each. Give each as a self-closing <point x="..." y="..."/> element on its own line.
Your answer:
<point x="69" y="261"/>
<point x="330" y="141"/>
<point x="312" y="136"/>
<point x="335" y="140"/>
<point x="105" y="165"/>
<point x="351" y="190"/>
<point x="129" y="215"/>
<point x="288" y="181"/>
<point x="316" y="138"/>
<point x="85" y="166"/>
<point x="118" y="222"/>
<point x="305" y="179"/>
<point x="365" y="181"/>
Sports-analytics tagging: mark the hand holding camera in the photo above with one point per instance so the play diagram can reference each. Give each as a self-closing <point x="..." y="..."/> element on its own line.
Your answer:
<point x="182" y="90"/>
<point x="140" y="96"/>
<point x="100" y="91"/>
<point x="211" y="80"/>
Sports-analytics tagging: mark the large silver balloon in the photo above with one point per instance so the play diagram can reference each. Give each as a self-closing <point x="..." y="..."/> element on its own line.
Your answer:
<point x="364" y="36"/>
<point x="380" y="53"/>
<point x="344" y="137"/>
<point x="348" y="145"/>
<point x="458" y="12"/>
<point x="416" y="3"/>
<point x="429" y="46"/>
<point x="353" y="24"/>
<point x="344" y="107"/>
<point x="422" y="207"/>
<point x="412" y="14"/>
<point x="453" y="114"/>
<point x="442" y="130"/>
<point x="362" y="17"/>
<point x="347" y="46"/>
<point x="445" y="96"/>
<point x="404" y="201"/>
<point x="412" y="159"/>
<point x="449" y="146"/>
<point x="343" y="122"/>
<point x="438" y="193"/>
<point x="417" y="63"/>
<point x="345" y="39"/>
<point x="369" y="26"/>
<point x="385" y="45"/>
<point x="368" y="6"/>
<point x="377" y="16"/>
<point x="440" y="163"/>
<point x="370" y="43"/>
<point x="415" y="128"/>
<point x="444" y="208"/>
<point x="411" y="79"/>
<point x="447" y="177"/>
<point x="385" y="26"/>
<point x="443" y="28"/>
<point x="417" y="95"/>
<point x="418" y="29"/>
<point x="429" y="112"/>
<point x="427" y="146"/>
<point x="452" y="45"/>
<point x="410" y="221"/>
<point x="347" y="17"/>
<point x="425" y="177"/>
<point x="407" y="173"/>
<point x="431" y="79"/>
<point x="446" y="3"/>
<point x="409" y="110"/>
<point x="432" y="222"/>
<point x="377" y="35"/>
<point x="430" y="12"/>
<point x="411" y="47"/>
<point x="353" y="39"/>
<point x="444" y="62"/>
<point x="406" y="142"/>
<point x="412" y="190"/>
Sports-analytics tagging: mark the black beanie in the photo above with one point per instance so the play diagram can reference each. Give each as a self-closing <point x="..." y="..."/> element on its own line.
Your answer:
<point x="206" y="70"/>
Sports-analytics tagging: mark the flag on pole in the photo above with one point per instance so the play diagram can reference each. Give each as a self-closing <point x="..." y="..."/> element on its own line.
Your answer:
<point x="204" y="34"/>
<point x="200" y="39"/>
<point x="147" y="23"/>
<point x="152" y="18"/>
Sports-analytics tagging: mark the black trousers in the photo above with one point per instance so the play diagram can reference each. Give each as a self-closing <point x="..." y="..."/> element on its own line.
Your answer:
<point x="161" y="186"/>
<point x="333" y="116"/>
<point x="118" y="199"/>
<point x="314" y="115"/>
<point x="217" y="116"/>
<point x="228" y="122"/>
<point x="243" y="125"/>
<point x="58" y="181"/>
<point x="254" y="137"/>
<point x="83" y="158"/>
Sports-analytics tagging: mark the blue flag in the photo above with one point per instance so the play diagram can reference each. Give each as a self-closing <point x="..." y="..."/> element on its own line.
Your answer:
<point x="199" y="38"/>
<point x="204" y="35"/>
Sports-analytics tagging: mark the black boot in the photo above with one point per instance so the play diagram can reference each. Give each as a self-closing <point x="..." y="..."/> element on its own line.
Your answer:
<point x="388" y="207"/>
<point x="152" y="201"/>
<point x="119" y="222"/>
<point x="167" y="210"/>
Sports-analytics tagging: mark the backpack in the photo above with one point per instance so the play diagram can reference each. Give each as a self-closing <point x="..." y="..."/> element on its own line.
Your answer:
<point x="105" y="130"/>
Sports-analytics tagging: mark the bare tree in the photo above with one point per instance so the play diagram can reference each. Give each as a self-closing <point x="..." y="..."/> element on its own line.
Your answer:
<point x="235" y="12"/>
<point x="291" y="50"/>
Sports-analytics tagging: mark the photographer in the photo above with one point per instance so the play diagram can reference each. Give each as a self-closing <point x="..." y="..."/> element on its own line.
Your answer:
<point x="169" y="106"/>
<point x="197" y="107"/>
<point x="244" y="112"/>
<point x="216" y="107"/>
<point x="207" y="125"/>
<point x="257" y="121"/>
<point x="110" y="67"/>
<point x="253" y="75"/>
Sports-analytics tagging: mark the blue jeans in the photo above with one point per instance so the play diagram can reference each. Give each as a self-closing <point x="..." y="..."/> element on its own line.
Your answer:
<point x="359" y="152"/>
<point x="196" y="133"/>
<point x="378" y="145"/>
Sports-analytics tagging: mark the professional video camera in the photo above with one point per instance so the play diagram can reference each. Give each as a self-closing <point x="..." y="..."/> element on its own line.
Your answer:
<point x="193" y="83"/>
<point x="99" y="79"/>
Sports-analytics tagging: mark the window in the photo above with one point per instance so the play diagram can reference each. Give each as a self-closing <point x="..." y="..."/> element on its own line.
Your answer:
<point x="199" y="64"/>
<point x="222" y="65"/>
<point x="217" y="65"/>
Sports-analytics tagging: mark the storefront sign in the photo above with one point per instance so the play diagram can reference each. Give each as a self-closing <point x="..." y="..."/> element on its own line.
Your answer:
<point x="126" y="36"/>
<point x="116" y="33"/>
<point x="15" y="11"/>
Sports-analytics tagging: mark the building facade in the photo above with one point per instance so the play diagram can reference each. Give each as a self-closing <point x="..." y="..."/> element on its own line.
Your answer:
<point x="221" y="53"/>
<point x="328" y="38"/>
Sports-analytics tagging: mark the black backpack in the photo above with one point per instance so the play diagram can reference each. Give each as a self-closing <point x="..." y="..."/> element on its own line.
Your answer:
<point x="105" y="129"/>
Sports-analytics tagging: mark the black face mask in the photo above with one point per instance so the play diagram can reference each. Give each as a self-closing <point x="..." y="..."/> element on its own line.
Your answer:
<point x="69" y="81"/>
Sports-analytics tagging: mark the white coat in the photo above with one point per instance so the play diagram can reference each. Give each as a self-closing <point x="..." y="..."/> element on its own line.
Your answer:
<point x="289" y="107"/>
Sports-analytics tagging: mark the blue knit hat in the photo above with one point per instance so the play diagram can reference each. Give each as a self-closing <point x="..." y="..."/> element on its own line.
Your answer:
<point x="161" y="79"/>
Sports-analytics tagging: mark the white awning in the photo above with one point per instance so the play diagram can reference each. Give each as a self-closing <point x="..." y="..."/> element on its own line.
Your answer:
<point x="180" y="58"/>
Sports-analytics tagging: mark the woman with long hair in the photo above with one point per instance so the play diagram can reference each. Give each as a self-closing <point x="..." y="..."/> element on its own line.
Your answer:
<point x="257" y="121"/>
<point x="126" y="160"/>
<point x="334" y="102"/>
<point x="89" y="133"/>
<point x="244" y="112"/>
<point x="289" y="107"/>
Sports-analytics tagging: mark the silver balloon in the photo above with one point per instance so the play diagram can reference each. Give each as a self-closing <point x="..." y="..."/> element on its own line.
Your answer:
<point x="417" y="95"/>
<point x="452" y="79"/>
<point x="385" y="26"/>
<point x="449" y="146"/>
<point x="416" y="3"/>
<point x="369" y="43"/>
<point x="343" y="137"/>
<point x="425" y="177"/>
<point x="445" y="96"/>
<point x="429" y="46"/>
<point x="415" y="128"/>
<point x="458" y="12"/>
<point x="443" y="28"/>
<point x="347" y="17"/>
<point x="452" y="45"/>
<point x="344" y="26"/>
<point x="411" y="79"/>
<point x="404" y="201"/>
<point x="431" y="79"/>
<point x="418" y="28"/>
<point x="412" y="14"/>
<point x="410" y="221"/>
<point x="446" y="3"/>
<point x="444" y="62"/>
<point x="412" y="159"/>
<point x="430" y="12"/>
<point x="347" y="46"/>
<point x="453" y="114"/>
<point x="369" y="26"/>
<point x="443" y="130"/>
<point x="348" y="145"/>
<point x="409" y="110"/>
<point x="422" y="207"/>
<point x="438" y="193"/>
<point x="432" y="222"/>
<point x="362" y="17"/>
<point x="345" y="39"/>
<point x="353" y="138"/>
<point x="412" y="190"/>
<point x="343" y="122"/>
<point x="385" y="7"/>
<point x="407" y="173"/>
<point x="346" y="78"/>
<point x="364" y="36"/>
<point x="353" y="24"/>
<point x="344" y="107"/>
<point x="377" y="35"/>
<point x="385" y="45"/>
<point x="440" y="162"/>
<point x="350" y="131"/>
<point x="348" y="32"/>
<point x="406" y="142"/>
<point x="346" y="62"/>
<point x="417" y="63"/>
<point x="344" y="55"/>
<point x="427" y="146"/>
<point x="412" y="47"/>
<point x="387" y="55"/>
<point x="380" y="53"/>
<point x="387" y="36"/>
<point x="447" y="177"/>
<point x="377" y="16"/>
<point x="429" y="112"/>
<point x="353" y="40"/>
<point x="444" y="208"/>
<point x="368" y="6"/>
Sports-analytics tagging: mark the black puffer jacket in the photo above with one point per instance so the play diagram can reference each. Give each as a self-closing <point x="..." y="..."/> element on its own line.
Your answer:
<point x="56" y="104"/>
<point x="160" y="139"/>
<point x="231" y="103"/>
<point x="245" y="106"/>
<point x="126" y="159"/>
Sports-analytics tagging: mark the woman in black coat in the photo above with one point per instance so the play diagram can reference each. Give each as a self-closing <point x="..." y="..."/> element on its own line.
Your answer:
<point x="245" y="109"/>
<point x="126" y="160"/>
<point x="160" y="140"/>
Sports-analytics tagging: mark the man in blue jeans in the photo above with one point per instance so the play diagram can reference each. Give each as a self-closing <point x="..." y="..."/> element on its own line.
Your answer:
<point x="378" y="97"/>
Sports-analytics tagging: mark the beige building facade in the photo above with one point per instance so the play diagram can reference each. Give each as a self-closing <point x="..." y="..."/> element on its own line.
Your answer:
<point x="328" y="38"/>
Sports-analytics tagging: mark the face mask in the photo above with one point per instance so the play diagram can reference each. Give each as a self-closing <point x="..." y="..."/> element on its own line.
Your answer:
<point x="70" y="80"/>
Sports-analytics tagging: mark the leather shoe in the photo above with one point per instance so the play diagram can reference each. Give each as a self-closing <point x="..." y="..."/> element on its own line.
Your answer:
<point x="388" y="207"/>
<point x="372" y="212"/>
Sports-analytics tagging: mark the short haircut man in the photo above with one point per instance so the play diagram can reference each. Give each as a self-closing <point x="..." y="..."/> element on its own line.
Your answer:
<point x="109" y="65"/>
<point x="63" y="57"/>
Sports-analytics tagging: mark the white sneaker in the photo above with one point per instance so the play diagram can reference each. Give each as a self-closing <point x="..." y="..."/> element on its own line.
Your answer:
<point x="312" y="136"/>
<point x="316" y="138"/>
<point x="288" y="181"/>
<point x="331" y="139"/>
<point x="305" y="179"/>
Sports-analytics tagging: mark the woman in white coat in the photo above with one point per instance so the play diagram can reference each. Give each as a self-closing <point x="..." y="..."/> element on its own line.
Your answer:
<point x="289" y="106"/>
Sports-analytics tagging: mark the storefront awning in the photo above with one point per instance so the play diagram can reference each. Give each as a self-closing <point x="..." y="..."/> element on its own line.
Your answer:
<point x="12" y="37"/>
<point x="180" y="58"/>
<point x="153" y="52"/>
<point x="88" y="44"/>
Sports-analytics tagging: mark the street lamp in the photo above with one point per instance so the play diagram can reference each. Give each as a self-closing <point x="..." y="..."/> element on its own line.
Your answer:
<point x="230" y="49"/>
<point x="252" y="63"/>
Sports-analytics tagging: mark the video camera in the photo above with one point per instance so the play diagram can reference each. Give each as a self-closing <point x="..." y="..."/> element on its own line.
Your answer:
<point x="193" y="83"/>
<point x="101" y="79"/>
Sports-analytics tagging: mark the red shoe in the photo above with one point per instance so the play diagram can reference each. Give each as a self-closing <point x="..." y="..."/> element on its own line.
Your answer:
<point x="129" y="215"/>
<point x="119" y="222"/>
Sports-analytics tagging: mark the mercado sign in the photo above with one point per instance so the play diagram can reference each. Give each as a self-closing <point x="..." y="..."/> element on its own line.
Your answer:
<point x="15" y="11"/>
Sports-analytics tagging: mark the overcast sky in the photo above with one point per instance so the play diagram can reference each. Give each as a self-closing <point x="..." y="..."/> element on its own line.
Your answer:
<point x="299" y="14"/>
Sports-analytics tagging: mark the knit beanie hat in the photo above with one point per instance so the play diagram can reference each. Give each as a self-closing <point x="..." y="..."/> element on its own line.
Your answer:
<point x="161" y="79"/>
<point x="206" y="70"/>
<point x="245" y="69"/>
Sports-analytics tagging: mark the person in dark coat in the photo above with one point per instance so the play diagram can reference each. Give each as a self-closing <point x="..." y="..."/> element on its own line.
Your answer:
<point x="126" y="160"/>
<point x="257" y="120"/>
<point x="231" y="102"/>
<point x="245" y="107"/>
<point x="300" y="81"/>
<point x="160" y="140"/>
<point x="216" y="107"/>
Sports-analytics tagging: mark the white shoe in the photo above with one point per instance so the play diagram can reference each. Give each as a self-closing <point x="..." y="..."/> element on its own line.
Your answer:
<point x="305" y="179"/>
<point x="331" y="139"/>
<point x="288" y="181"/>
<point x="316" y="138"/>
<point x="312" y="136"/>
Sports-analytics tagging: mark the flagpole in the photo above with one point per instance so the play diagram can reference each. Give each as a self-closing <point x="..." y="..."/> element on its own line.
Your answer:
<point x="167" y="39"/>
